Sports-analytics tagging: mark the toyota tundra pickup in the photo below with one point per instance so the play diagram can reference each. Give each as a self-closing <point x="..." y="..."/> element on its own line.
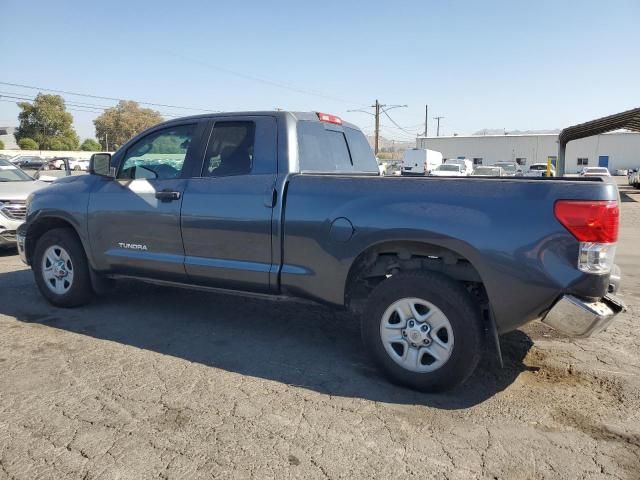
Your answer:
<point x="282" y="204"/>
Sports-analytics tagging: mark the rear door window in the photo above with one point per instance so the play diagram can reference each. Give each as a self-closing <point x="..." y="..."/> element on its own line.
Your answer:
<point x="231" y="149"/>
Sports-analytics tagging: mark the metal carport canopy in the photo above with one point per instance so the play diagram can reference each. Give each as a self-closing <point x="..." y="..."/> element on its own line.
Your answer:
<point x="629" y="120"/>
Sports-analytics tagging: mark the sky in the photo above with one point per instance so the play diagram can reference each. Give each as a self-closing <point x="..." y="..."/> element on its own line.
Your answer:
<point x="480" y="64"/>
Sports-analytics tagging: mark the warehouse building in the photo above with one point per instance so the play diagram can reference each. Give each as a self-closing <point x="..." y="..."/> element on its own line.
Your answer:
<point x="616" y="150"/>
<point x="7" y="138"/>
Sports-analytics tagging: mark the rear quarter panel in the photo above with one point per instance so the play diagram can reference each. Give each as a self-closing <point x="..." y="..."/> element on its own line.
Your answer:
<point x="505" y="228"/>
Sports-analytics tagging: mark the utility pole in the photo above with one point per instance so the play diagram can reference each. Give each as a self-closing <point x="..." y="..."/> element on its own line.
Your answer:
<point x="426" y="119"/>
<point x="438" y="119"/>
<point x="378" y="109"/>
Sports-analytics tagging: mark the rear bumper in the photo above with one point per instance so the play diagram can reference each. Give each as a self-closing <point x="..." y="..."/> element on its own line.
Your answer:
<point x="581" y="318"/>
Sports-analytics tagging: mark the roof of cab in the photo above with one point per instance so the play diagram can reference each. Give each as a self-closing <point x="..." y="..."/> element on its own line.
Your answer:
<point x="297" y="116"/>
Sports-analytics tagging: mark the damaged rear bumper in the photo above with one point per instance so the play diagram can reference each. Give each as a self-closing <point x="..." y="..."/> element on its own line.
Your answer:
<point x="576" y="317"/>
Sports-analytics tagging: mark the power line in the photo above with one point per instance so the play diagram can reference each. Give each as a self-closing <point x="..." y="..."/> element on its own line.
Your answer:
<point x="378" y="107"/>
<point x="100" y="97"/>
<point x="71" y="105"/>
<point x="266" y="81"/>
<point x="68" y="108"/>
<point x="400" y="135"/>
<point x="398" y="126"/>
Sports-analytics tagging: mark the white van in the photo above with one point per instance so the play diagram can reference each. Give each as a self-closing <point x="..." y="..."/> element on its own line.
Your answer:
<point x="465" y="163"/>
<point x="420" y="161"/>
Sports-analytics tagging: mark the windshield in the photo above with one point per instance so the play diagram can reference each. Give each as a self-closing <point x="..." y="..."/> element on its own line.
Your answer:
<point x="11" y="173"/>
<point x="449" y="168"/>
<point x="509" y="167"/>
<point x="597" y="170"/>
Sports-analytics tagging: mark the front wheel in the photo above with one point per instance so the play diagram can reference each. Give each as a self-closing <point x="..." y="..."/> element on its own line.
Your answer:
<point x="424" y="330"/>
<point x="61" y="269"/>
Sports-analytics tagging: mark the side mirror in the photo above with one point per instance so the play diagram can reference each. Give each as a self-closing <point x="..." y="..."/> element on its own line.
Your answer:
<point x="100" y="164"/>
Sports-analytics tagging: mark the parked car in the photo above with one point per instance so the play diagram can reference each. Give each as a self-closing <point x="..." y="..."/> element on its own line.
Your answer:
<point x="488" y="171"/>
<point x="448" y="170"/>
<point x="510" y="169"/>
<point x="420" y="161"/>
<point x="80" y="164"/>
<point x="281" y="205"/>
<point x="15" y="187"/>
<point x="595" y="172"/>
<point x="465" y="164"/>
<point x="539" y="170"/>
<point x="28" y="161"/>
<point x="634" y="177"/>
<point x="59" y="162"/>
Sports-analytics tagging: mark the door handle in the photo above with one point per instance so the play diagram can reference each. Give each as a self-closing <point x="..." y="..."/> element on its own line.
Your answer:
<point x="167" y="195"/>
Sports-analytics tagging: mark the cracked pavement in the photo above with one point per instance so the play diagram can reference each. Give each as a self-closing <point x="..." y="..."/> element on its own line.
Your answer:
<point x="151" y="382"/>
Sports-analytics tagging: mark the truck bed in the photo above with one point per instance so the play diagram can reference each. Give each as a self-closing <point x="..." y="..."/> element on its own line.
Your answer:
<point x="504" y="227"/>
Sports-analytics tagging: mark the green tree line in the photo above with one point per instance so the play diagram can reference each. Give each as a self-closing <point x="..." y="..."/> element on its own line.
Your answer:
<point x="45" y="124"/>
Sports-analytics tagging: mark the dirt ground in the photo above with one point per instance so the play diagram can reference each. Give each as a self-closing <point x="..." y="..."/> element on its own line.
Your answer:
<point x="152" y="382"/>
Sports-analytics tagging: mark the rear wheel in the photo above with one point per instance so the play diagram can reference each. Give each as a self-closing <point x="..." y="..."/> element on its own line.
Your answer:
<point x="424" y="330"/>
<point x="61" y="269"/>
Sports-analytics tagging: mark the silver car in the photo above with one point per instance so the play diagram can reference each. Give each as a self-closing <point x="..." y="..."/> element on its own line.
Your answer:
<point x="15" y="187"/>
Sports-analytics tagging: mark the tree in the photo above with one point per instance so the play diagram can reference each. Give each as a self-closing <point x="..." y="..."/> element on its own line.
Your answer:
<point x="47" y="123"/>
<point x="1" y="145"/>
<point x="28" y="144"/>
<point x="90" y="145"/>
<point x="118" y="124"/>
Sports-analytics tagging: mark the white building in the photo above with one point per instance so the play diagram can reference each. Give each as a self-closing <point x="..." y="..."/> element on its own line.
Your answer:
<point x="615" y="150"/>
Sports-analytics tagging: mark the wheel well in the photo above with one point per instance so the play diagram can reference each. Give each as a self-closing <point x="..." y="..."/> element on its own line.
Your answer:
<point x="42" y="226"/>
<point x="381" y="261"/>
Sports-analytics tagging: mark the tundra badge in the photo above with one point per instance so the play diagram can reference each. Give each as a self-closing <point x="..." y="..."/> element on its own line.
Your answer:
<point x="132" y="246"/>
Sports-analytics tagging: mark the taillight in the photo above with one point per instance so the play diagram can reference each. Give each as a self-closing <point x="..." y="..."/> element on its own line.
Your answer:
<point x="590" y="221"/>
<point x="595" y="225"/>
<point x="327" y="117"/>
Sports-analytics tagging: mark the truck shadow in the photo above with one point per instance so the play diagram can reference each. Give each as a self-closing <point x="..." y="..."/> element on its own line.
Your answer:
<point x="297" y="344"/>
<point x="630" y="195"/>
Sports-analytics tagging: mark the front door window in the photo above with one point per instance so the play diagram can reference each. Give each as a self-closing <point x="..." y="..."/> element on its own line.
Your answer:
<point x="160" y="155"/>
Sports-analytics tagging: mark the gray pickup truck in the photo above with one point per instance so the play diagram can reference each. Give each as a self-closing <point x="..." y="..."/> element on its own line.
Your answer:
<point x="282" y="204"/>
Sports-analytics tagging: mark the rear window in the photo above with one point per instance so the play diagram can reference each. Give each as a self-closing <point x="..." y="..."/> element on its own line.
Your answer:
<point x="509" y="167"/>
<point x="330" y="150"/>
<point x="487" y="171"/>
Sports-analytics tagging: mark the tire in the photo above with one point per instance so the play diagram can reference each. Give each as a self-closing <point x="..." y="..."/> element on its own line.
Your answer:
<point x="65" y="284"/>
<point x="458" y="345"/>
